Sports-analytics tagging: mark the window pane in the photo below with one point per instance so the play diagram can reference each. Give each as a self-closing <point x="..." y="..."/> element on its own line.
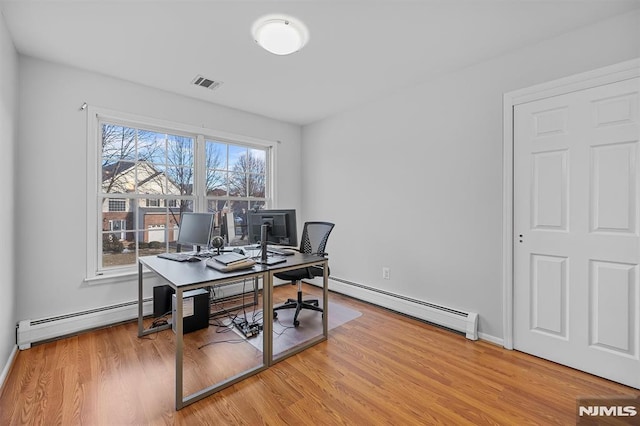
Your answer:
<point x="237" y="155"/>
<point x="118" y="249"/>
<point x="256" y="185"/>
<point x="118" y="177"/>
<point x="180" y="180"/>
<point x="237" y="184"/>
<point x="154" y="228"/>
<point x="159" y="226"/>
<point x="260" y="157"/>
<point x="216" y="183"/>
<point x="257" y="205"/>
<point x="256" y="162"/>
<point x="151" y="147"/>
<point x="217" y="207"/>
<point x="179" y="151"/>
<point x="239" y="209"/>
<point x="185" y="206"/>
<point x="216" y="155"/>
<point x="118" y="144"/>
<point x="151" y="178"/>
<point x="118" y="237"/>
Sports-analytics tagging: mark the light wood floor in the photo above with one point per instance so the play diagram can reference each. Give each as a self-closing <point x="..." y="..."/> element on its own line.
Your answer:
<point x="381" y="368"/>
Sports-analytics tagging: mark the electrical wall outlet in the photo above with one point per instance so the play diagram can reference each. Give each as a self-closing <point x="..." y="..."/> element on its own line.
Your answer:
<point x="386" y="273"/>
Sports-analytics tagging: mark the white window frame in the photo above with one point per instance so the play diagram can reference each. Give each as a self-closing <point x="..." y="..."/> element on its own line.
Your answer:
<point x="95" y="116"/>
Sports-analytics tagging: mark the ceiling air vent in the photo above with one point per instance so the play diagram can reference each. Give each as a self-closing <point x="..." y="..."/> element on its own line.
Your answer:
<point x="206" y="83"/>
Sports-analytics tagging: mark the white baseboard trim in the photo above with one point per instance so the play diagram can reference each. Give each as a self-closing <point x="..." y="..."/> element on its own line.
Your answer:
<point x="491" y="339"/>
<point x="7" y="367"/>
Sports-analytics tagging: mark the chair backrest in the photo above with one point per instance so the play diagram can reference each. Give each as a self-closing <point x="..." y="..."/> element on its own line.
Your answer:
<point x="315" y="236"/>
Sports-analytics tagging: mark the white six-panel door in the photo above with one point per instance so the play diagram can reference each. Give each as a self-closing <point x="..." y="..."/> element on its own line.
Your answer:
<point x="577" y="230"/>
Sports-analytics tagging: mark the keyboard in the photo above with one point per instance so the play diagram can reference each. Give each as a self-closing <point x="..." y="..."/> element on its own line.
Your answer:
<point x="178" y="257"/>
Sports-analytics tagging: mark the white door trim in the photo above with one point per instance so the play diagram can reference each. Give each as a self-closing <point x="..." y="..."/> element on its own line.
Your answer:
<point x="611" y="74"/>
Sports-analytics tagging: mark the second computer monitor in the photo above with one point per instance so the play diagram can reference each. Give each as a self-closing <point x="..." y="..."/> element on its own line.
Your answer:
<point x="282" y="226"/>
<point x="195" y="229"/>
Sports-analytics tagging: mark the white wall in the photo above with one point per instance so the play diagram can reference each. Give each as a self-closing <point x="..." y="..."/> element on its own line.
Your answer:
<point x="51" y="172"/>
<point x="8" y="138"/>
<point x="417" y="184"/>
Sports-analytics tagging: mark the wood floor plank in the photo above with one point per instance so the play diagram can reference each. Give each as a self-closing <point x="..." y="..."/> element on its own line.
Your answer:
<point x="380" y="368"/>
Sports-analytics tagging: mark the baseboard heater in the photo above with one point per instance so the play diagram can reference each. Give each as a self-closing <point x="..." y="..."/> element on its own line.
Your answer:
<point x="464" y="322"/>
<point x="34" y="331"/>
<point x="30" y="332"/>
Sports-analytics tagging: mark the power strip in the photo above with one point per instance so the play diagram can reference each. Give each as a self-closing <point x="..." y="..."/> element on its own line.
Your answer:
<point x="248" y="330"/>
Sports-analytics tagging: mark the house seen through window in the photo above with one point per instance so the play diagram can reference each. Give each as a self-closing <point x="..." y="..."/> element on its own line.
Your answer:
<point x="148" y="178"/>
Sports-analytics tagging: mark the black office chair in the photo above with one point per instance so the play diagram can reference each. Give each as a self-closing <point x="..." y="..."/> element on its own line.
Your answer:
<point x="314" y="240"/>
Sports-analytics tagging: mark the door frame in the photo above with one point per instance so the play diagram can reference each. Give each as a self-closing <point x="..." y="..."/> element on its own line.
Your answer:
<point x="601" y="76"/>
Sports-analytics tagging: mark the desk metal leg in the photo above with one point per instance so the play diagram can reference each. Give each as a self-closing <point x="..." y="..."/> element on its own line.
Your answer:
<point x="325" y="300"/>
<point x="325" y="319"/>
<point x="181" y="400"/>
<point x="267" y="318"/>
<point x="256" y="291"/>
<point x="178" y="320"/>
<point x="140" y="311"/>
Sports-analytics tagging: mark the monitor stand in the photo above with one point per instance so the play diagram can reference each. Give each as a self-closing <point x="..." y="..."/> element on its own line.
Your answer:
<point x="264" y="259"/>
<point x="271" y="261"/>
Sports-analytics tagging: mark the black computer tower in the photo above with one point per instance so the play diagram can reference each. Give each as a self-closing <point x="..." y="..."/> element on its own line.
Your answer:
<point x="195" y="310"/>
<point x="162" y="300"/>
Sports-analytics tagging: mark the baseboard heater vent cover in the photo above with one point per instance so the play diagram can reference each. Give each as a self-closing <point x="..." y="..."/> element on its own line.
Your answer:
<point x="40" y="330"/>
<point x="464" y="322"/>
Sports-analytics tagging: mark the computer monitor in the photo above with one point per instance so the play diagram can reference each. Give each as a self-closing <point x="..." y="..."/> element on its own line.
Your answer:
<point x="282" y="226"/>
<point x="195" y="229"/>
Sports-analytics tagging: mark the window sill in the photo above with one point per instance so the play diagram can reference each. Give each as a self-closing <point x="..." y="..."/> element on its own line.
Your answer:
<point x="116" y="277"/>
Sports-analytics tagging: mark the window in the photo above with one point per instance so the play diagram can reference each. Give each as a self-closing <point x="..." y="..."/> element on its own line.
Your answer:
<point x="236" y="182"/>
<point x="116" y="205"/>
<point x="148" y="175"/>
<point x="118" y="225"/>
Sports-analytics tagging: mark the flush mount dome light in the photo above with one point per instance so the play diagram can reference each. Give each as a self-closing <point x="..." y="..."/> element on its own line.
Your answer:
<point x="279" y="34"/>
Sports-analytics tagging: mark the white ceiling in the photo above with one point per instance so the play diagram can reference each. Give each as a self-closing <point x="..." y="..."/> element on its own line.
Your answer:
<point x="358" y="50"/>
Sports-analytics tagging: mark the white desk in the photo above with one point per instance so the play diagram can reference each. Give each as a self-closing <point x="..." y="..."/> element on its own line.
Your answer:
<point x="184" y="276"/>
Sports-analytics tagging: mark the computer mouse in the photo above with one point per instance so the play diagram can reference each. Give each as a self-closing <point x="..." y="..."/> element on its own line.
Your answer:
<point x="194" y="259"/>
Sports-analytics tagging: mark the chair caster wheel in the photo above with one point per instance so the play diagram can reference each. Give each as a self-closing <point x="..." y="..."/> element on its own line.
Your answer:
<point x="275" y="314"/>
<point x="296" y="323"/>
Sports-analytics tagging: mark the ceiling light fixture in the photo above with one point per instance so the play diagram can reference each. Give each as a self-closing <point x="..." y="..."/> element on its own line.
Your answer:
<point x="279" y="34"/>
